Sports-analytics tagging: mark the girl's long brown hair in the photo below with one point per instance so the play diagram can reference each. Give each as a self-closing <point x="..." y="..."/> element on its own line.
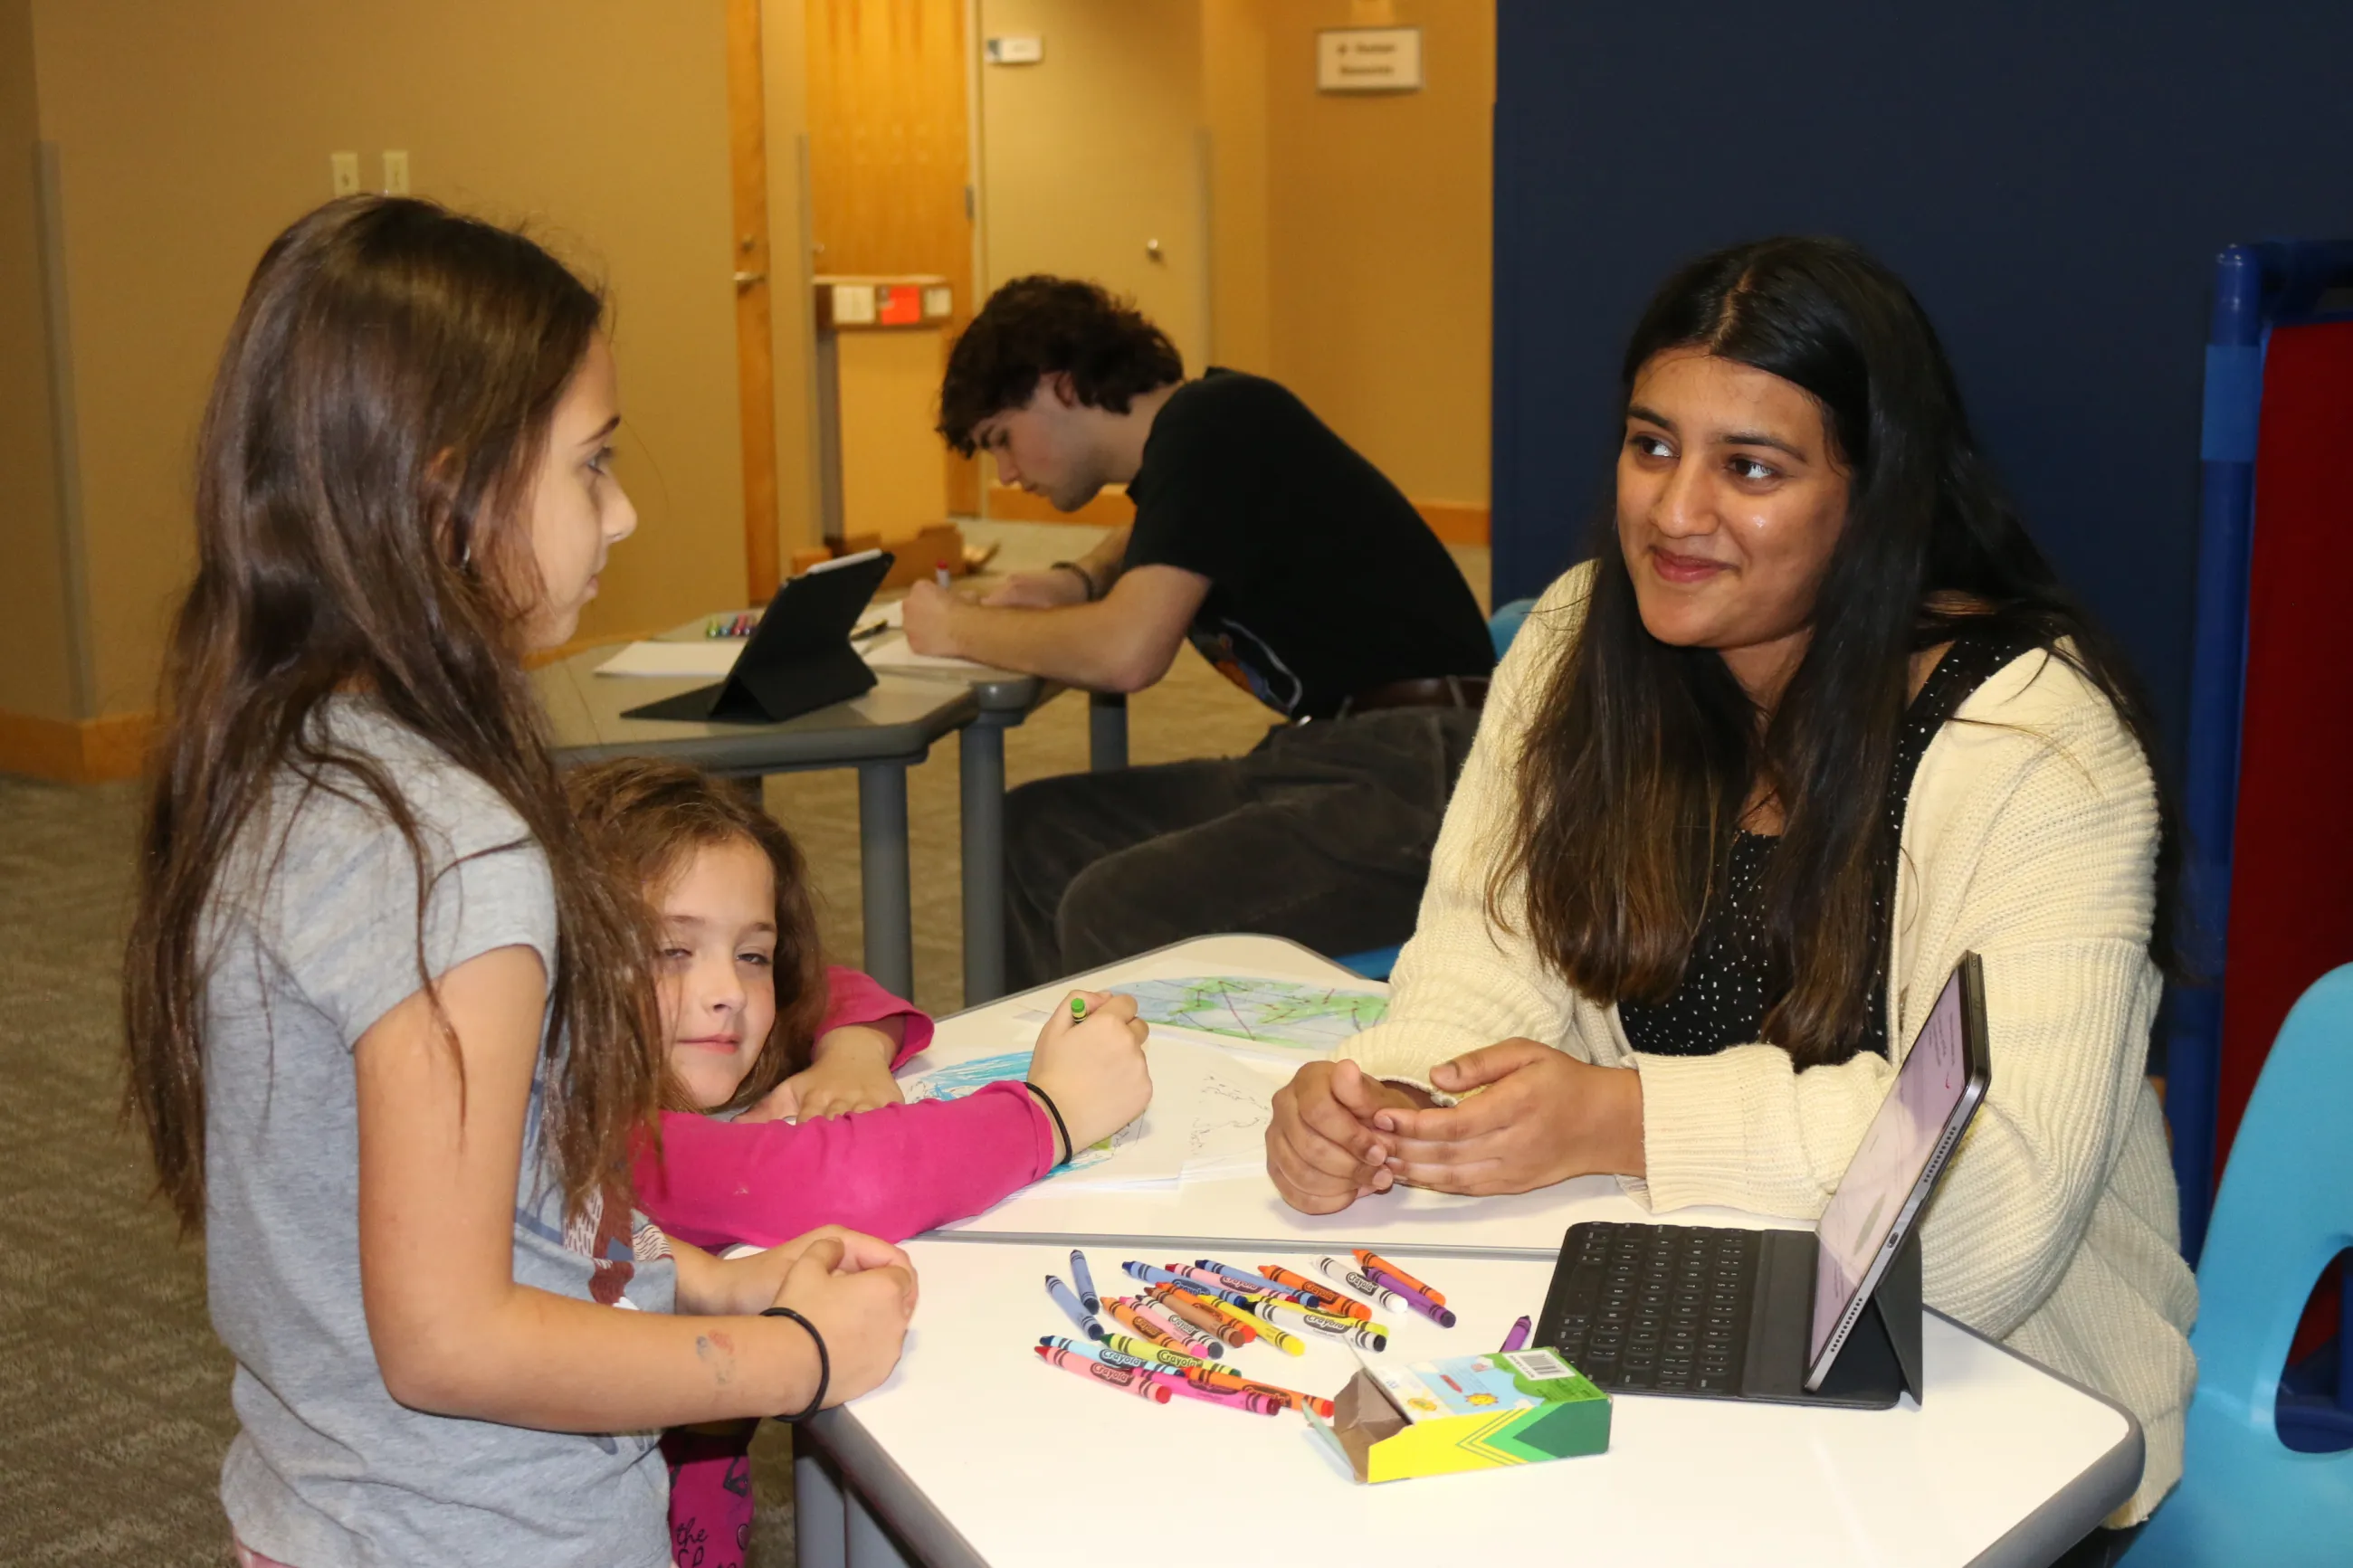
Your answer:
<point x="647" y="817"/>
<point x="364" y="471"/>
<point x="1641" y="756"/>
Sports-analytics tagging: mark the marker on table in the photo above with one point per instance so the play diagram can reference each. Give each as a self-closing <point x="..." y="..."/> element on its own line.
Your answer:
<point x="1517" y="1337"/>
<point x="1074" y="1309"/>
<point x="1372" y="1260"/>
<point x="1086" y="1281"/>
<point x="1125" y="1380"/>
<point x="941" y="575"/>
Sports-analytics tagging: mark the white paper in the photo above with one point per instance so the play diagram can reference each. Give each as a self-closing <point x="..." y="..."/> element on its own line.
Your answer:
<point x="1148" y="1152"/>
<point x="709" y="658"/>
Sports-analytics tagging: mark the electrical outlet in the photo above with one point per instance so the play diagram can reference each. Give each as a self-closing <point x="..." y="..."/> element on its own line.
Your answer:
<point x="395" y="172"/>
<point x="343" y="172"/>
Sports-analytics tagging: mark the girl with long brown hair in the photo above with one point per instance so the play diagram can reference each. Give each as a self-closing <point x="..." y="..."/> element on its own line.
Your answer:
<point x="1817" y="719"/>
<point x="391" y="1028"/>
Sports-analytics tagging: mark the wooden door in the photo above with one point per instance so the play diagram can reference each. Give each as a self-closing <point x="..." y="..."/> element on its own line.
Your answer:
<point x="756" y="369"/>
<point x="889" y="161"/>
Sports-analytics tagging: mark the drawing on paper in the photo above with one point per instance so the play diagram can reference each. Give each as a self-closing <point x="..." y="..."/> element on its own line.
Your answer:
<point x="957" y="1080"/>
<point x="1281" y="1014"/>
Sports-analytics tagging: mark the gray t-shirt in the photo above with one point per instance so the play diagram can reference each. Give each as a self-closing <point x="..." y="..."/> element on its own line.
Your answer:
<point x="327" y="1469"/>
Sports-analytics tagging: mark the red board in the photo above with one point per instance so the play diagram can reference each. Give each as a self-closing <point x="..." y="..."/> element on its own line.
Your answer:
<point x="2292" y="855"/>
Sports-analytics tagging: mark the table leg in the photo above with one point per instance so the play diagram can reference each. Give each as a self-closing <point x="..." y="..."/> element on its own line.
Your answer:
<point x="1106" y="731"/>
<point x="820" y="1528"/>
<point x="882" y="876"/>
<point x="983" y="776"/>
<point x="871" y="1545"/>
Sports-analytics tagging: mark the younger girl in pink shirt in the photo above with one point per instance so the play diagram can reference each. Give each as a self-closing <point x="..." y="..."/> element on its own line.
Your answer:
<point x="781" y="1111"/>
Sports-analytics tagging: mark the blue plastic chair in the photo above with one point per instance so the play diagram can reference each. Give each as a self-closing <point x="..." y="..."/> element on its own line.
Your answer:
<point x="2284" y="1210"/>
<point x="1375" y="962"/>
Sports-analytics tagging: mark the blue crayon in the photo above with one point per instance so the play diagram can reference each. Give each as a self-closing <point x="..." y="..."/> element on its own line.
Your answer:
<point x="1152" y="1276"/>
<point x="1257" y="1282"/>
<point x="1072" y="1310"/>
<point x="1085" y="1277"/>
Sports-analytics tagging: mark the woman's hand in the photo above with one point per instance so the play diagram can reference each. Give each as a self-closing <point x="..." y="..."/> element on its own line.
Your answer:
<point x="859" y="1293"/>
<point x="1322" y="1148"/>
<point x="1093" y="1068"/>
<point x="850" y="1071"/>
<point x="1542" y="1117"/>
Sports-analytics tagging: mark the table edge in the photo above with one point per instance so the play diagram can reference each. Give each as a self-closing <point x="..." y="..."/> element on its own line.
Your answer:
<point x="887" y="1492"/>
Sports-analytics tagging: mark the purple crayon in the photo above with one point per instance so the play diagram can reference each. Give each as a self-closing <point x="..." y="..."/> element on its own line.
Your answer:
<point x="1414" y="1300"/>
<point x="1517" y="1337"/>
<point x="1073" y="1309"/>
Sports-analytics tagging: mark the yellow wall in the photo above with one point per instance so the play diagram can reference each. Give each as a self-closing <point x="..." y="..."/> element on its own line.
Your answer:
<point x="35" y="676"/>
<point x="1379" y="223"/>
<point x="1350" y="254"/>
<point x="192" y="133"/>
<point x="784" y="37"/>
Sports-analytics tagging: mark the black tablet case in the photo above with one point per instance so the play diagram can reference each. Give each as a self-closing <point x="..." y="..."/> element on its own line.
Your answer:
<point x="796" y="661"/>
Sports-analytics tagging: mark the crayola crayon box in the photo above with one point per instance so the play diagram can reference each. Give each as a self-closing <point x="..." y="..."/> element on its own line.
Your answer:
<point x="1465" y="1413"/>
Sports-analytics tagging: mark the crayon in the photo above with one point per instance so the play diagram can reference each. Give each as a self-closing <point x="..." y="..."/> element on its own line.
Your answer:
<point x="1231" y="1398"/>
<point x="1332" y="1301"/>
<point x="1195" y="1311"/>
<point x="1153" y="1276"/>
<point x="1148" y="1330"/>
<point x="1236" y="1281"/>
<point x="1441" y="1315"/>
<point x="1072" y="1309"/>
<point x="1289" y="1344"/>
<point x="1144" y="1351"/>
<point x="1122" y="1378"/>
<point x="1233" y="1289"/>
<point x="1368" y="1336"/>
<point x="1290" y="1397"/>
<point x="1121" y="1358"/>
<point x="1517" y="1337"/>
<point x="941" y="576"/>
<point x="1085" y="1279"/>
<point x="1077" y="1009"/>
<point x="1372" y="1260"/>
<point x="1184" y="1335"/>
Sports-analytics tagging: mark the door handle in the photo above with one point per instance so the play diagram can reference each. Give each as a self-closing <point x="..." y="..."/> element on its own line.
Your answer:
<point x="746" y="279"/>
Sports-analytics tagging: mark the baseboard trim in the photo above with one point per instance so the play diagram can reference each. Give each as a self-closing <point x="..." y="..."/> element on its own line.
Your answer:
<point x="70" y="751"/>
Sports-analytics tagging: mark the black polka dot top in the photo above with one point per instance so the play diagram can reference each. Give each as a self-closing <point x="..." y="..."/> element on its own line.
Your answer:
<point x="1731" y="980"/>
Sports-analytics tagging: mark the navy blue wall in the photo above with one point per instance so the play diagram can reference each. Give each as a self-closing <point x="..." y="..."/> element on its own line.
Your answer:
<point x="2052" y="179"/>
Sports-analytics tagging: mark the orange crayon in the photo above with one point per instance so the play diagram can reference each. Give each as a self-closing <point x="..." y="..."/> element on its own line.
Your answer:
<point x="1375" y="1260"/>
<point x="1149" y="1330"/>
<point x="1202" y="1315"/>
<point x="1291" y="1397"/>
<point x="1327" y="1299"/>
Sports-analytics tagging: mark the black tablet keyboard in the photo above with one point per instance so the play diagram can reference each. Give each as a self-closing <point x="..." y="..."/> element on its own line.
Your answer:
<point x="1654" y="1308"/>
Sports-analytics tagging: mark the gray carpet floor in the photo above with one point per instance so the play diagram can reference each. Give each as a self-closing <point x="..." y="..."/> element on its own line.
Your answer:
<point x="113" y="1393"/>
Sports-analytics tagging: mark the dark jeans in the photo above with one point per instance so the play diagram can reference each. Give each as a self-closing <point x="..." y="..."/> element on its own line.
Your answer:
<point x="1321" y="834"/>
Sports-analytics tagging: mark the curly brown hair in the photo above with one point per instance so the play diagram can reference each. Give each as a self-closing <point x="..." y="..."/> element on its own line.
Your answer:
<point x="648" y="817"/>
<point x="1039" y="326"/>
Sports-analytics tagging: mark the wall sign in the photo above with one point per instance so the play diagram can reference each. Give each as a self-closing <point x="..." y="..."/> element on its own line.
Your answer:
<point x="1369" y="59"/>
<point x="1014" y="50"/>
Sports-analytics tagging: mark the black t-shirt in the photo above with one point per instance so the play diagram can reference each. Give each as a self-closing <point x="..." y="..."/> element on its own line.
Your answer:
<point x="1324" y="581"/>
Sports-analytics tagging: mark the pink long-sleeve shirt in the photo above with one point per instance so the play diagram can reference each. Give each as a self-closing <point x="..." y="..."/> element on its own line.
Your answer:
<point x="890" y="1172"/>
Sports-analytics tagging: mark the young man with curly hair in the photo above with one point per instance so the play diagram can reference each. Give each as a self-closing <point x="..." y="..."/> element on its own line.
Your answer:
<point x="1288" y="562"/>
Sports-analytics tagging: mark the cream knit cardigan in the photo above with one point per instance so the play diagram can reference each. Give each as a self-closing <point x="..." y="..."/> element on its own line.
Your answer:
<point x="2030" y="837"/>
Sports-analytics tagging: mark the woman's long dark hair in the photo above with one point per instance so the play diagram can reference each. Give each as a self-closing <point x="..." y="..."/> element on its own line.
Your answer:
<point x="1642" y="755"/>
<point x="364" y="470"/>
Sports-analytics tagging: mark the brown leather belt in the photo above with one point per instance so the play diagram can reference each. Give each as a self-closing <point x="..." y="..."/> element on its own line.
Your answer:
<point x="1430" y="691"/>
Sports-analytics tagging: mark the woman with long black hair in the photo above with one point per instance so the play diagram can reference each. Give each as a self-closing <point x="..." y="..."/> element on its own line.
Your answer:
<point x="1816" y="720"/>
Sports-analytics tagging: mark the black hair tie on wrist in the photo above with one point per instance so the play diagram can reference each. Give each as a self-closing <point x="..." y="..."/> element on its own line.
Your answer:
<point x="824" y="1362"/>
<point x="1068" y="1151"/>
<point x="1084" y="576"/>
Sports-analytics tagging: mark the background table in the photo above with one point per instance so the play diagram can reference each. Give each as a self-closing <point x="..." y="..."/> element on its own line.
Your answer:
<point x="972" y="1452"/>
<point x="879" y="733"/>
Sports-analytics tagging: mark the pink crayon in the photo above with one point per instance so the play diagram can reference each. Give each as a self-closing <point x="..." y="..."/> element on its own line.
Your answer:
<point x="1125" y="1380"/>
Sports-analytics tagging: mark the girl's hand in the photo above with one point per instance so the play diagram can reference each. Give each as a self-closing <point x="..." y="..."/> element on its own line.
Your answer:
<point x="1093" y="1069"/>
<point x="1323" y="1150"/>
<point x="1544" y="1117"/>
<point x="850" y="1071"/>
<point x="859" y="1293"/>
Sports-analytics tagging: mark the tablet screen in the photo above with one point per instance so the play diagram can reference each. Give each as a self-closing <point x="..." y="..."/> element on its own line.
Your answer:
<point x="1889" y="1165"/>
